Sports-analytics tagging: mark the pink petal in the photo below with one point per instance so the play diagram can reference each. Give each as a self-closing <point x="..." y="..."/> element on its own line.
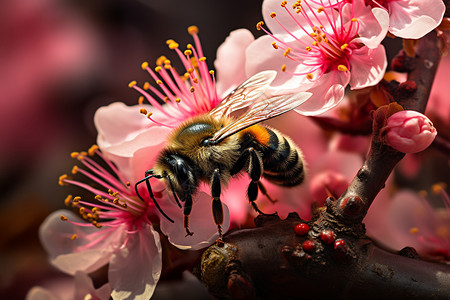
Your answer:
<point x="117" y="123"/>
<point x="39" y="293"/>
<point x="201" y="223"/>
<point x="367" y="67"/>
<point x="373" y="23"/>
<point x="135" y="269"/>
<point x="412" y="19"/>
<point x="261" y="56"/>
<point x="230" y="61"/>
<point x="327" y="92"/>
<point x="85" y="287"/>
<point x="75" y="255"/>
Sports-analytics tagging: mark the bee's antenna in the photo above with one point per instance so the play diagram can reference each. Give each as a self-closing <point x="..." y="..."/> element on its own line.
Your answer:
<point x="150" y="192"/>
<point x="172" y="189"/>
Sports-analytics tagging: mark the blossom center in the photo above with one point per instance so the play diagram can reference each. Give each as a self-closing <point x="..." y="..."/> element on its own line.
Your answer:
<point x="189" y="94"/>
<point x="321" y="41"/>
<point x="114" y="203"/>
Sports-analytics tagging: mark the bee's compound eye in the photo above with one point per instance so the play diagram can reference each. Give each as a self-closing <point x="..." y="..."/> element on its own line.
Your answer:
<point x="205" y="143"/>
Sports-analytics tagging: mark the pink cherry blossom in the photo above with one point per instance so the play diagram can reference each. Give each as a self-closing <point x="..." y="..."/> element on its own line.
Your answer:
<point x="321" y="52"/>
<point x="80" y="287"/>
<point x="230" y="61"/>
<point x="409" y="19"/>
<point x="117" y="226"/>
<point x="408" y="219"/>
<point x="409" y="131"/>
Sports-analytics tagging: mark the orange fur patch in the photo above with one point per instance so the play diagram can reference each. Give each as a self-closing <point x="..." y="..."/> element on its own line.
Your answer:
<point x="261" y="135"/>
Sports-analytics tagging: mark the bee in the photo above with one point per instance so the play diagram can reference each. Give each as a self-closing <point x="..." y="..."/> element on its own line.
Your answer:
<point x="215" y="146"/>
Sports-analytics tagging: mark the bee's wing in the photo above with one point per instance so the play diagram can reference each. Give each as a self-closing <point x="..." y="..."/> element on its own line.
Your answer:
<point x="261" y="111"/>
<point x="245" y="94"/>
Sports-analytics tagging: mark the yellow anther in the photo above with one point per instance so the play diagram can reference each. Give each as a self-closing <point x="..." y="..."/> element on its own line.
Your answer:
<point x="273" y="14"/>
<point x="160" y="60"/>
<point x="74" y="236"/>
<point x="344" y="46"/>
<point x="186" y="75"/>
<point x="309" y="76"/>
<point x="143" y="111"/>
<point x="75" y="170"/>
<point x="283" y="68"/>
<point x="76" y="199"/>
<point x="259" y="24"/>
<point x="299" y="10"/>
<point x="283" y="3"/>
<point x="61" y="179"/>
<point x="74" y="154"/>
<point x="178" y="100"/>
<point x="166" y="99"/>
<point x="63" y="218"/>
<point x="82" y="210"/>
<point x="288" y="50"/>
<point x="144" y="65"/>
<point x="149" y="115"/>
<point x="98" y="197"/>
<point x="275" y="45"/>
<point x="173" y="45"/>
<point x="437" y="188"/>
<point x="96" y="224"/>
<point x="315" y="43"/>
<point x="414" y="230"/>
<point x="141" y="100"/>
<point x="167" y="61"/>
<point x="190" y="70"/>
<point x="170" y="41"/>
<point x="68" y="200"/>
<point x="192" y="29"/>
<point x="320" y="9"/>
<point x="202" y="58"/>
<point x="187" y="52"/>
<point x="158" y="69"/>
<point x="354" y="20"/>
<point x="167" y="66"/>
<point x="211" y="72"/>
<point x="128" y="183"/>
<point x="313" y="34"/>
<point x="195" y="80"/>
<point x="308" y="48"/>
<point x="159" y="81"/>
<point x="83" y="153"/>
<point x="192" y="89"/>
<point x="342" y="68"/>
<point x="116" y="200"/>
<point x="92" y="150"/>
<point x="146" y="85"/>
<point x="132" y="83"/>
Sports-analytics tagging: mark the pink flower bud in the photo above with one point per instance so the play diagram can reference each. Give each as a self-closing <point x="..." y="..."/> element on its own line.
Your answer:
<point x="409" y="131"/>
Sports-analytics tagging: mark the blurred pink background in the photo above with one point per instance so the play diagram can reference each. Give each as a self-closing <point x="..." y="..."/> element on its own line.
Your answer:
<point x="59" y="61"/>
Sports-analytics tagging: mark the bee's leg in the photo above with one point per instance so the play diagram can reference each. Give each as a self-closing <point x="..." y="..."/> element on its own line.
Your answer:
<point x="217" y="208"/>
<point x="187" y="212"/>
<point x="255" y="170"/>
<point x="263" y="190"/>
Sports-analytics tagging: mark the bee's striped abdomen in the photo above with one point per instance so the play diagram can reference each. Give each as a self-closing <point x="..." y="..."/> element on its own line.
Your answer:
<point x="283" y="160"/>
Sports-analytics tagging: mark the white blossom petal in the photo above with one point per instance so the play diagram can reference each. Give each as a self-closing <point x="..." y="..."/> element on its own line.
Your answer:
<point x="201" y="223"/>
<point x="230" y="61"/>
<point x="135" y="269"/>
<point x="87" y="252"/>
